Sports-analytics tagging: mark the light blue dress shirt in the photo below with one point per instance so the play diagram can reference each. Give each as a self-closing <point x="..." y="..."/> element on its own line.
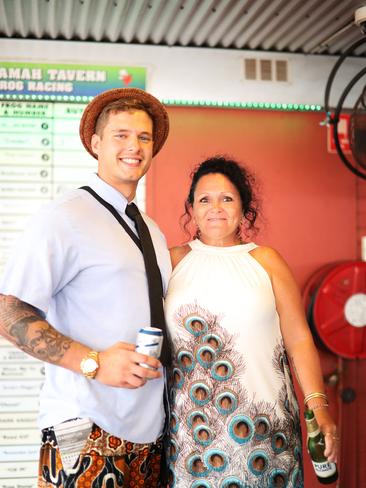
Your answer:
<point x="78" y="266"/>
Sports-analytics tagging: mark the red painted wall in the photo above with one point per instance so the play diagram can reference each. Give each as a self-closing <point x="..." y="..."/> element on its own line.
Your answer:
<point x="309" y="197"/>
<point x="309" y="202"/>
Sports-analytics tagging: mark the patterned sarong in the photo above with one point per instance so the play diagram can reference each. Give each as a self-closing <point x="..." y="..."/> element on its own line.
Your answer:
<point x="105" y="462"/>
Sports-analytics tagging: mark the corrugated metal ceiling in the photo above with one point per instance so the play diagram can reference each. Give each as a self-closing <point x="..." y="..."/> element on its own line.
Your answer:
<point x="292" y="26"/>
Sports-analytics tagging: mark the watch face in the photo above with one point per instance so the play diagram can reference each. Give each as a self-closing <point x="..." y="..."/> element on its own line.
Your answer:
<point x="90" y="365"/>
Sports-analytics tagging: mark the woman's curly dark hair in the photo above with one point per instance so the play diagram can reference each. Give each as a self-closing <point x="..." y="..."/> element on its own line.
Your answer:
<point x="239" y="176"/>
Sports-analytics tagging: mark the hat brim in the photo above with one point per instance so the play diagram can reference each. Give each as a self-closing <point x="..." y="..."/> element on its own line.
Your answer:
<point x="154" y="107"/>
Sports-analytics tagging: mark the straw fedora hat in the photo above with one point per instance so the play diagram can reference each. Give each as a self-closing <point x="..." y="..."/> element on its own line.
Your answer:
<point x="153" y="107"/>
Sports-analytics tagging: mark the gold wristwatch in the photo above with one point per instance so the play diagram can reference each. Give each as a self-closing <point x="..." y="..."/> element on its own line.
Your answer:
<point x="90" y="364"/>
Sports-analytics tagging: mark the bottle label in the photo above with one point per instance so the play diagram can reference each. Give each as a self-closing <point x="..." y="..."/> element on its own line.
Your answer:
<point x="324" y="470"/>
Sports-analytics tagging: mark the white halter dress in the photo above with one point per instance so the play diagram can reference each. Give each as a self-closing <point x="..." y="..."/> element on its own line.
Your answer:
<point x="235" y="418"/>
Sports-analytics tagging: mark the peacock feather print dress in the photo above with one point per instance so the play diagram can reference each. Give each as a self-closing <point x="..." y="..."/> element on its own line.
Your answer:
<point x="234" y="415"/>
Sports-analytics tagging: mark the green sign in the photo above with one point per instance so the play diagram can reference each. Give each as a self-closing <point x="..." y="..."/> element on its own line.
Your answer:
<point x="65" y="81"/>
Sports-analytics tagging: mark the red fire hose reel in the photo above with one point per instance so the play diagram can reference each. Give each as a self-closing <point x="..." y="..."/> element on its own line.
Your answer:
<point x="335" y="303"/>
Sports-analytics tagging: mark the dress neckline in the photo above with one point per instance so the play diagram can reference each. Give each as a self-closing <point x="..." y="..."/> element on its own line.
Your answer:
<point x="196" y="244"/>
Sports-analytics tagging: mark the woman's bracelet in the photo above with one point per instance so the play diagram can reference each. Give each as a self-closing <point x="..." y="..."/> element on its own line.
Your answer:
<point x="316" y="394"/>
<point x="319" y="406"/>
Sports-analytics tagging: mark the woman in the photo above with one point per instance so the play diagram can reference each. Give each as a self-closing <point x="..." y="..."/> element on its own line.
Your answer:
<point x="235" y="315"/>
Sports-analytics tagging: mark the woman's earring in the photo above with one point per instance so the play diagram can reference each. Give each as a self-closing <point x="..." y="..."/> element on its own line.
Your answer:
<point x="240" y="230"/>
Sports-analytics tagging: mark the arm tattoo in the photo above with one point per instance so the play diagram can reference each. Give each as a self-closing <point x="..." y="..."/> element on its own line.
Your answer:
<point x="22" y="325"/>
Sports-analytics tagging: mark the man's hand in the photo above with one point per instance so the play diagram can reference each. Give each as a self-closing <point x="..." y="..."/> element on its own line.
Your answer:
<point x="120" y="366"/>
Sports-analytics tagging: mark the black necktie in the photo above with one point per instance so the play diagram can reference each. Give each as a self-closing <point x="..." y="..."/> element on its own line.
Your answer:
<point x="154" y="280"/>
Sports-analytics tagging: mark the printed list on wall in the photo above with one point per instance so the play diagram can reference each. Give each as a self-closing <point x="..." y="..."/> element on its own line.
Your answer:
<point x="41" y="157"/>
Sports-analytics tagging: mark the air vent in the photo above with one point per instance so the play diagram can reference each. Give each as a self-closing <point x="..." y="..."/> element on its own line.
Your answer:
<point x="266" y="69"/>
<point x="250" y="66"/>
<point x="281" y="70"/>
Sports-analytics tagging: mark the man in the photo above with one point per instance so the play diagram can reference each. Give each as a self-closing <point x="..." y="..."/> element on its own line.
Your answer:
<point x="75" y="295"/>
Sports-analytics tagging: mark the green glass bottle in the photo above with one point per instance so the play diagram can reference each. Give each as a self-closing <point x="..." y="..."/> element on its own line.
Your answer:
<point x="325" y="471"/>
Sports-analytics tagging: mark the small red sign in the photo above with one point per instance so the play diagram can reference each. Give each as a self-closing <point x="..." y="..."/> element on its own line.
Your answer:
<point x="343" y="135"/>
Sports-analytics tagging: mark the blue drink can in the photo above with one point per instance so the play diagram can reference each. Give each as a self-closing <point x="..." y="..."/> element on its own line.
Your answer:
<point x="149" y="341"/>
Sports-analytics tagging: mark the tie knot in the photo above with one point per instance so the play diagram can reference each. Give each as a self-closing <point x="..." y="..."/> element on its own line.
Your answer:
<point x="132" y="211"/>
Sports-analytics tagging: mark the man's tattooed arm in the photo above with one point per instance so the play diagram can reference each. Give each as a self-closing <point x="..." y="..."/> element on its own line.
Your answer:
<point x="22" y="325"/>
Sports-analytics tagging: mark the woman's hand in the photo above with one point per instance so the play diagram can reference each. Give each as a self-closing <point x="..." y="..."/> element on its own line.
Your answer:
<point x="329" y="429"/>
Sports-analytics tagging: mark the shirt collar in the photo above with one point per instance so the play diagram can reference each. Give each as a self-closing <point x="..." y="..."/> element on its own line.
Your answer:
<point x="108" y="193"/>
